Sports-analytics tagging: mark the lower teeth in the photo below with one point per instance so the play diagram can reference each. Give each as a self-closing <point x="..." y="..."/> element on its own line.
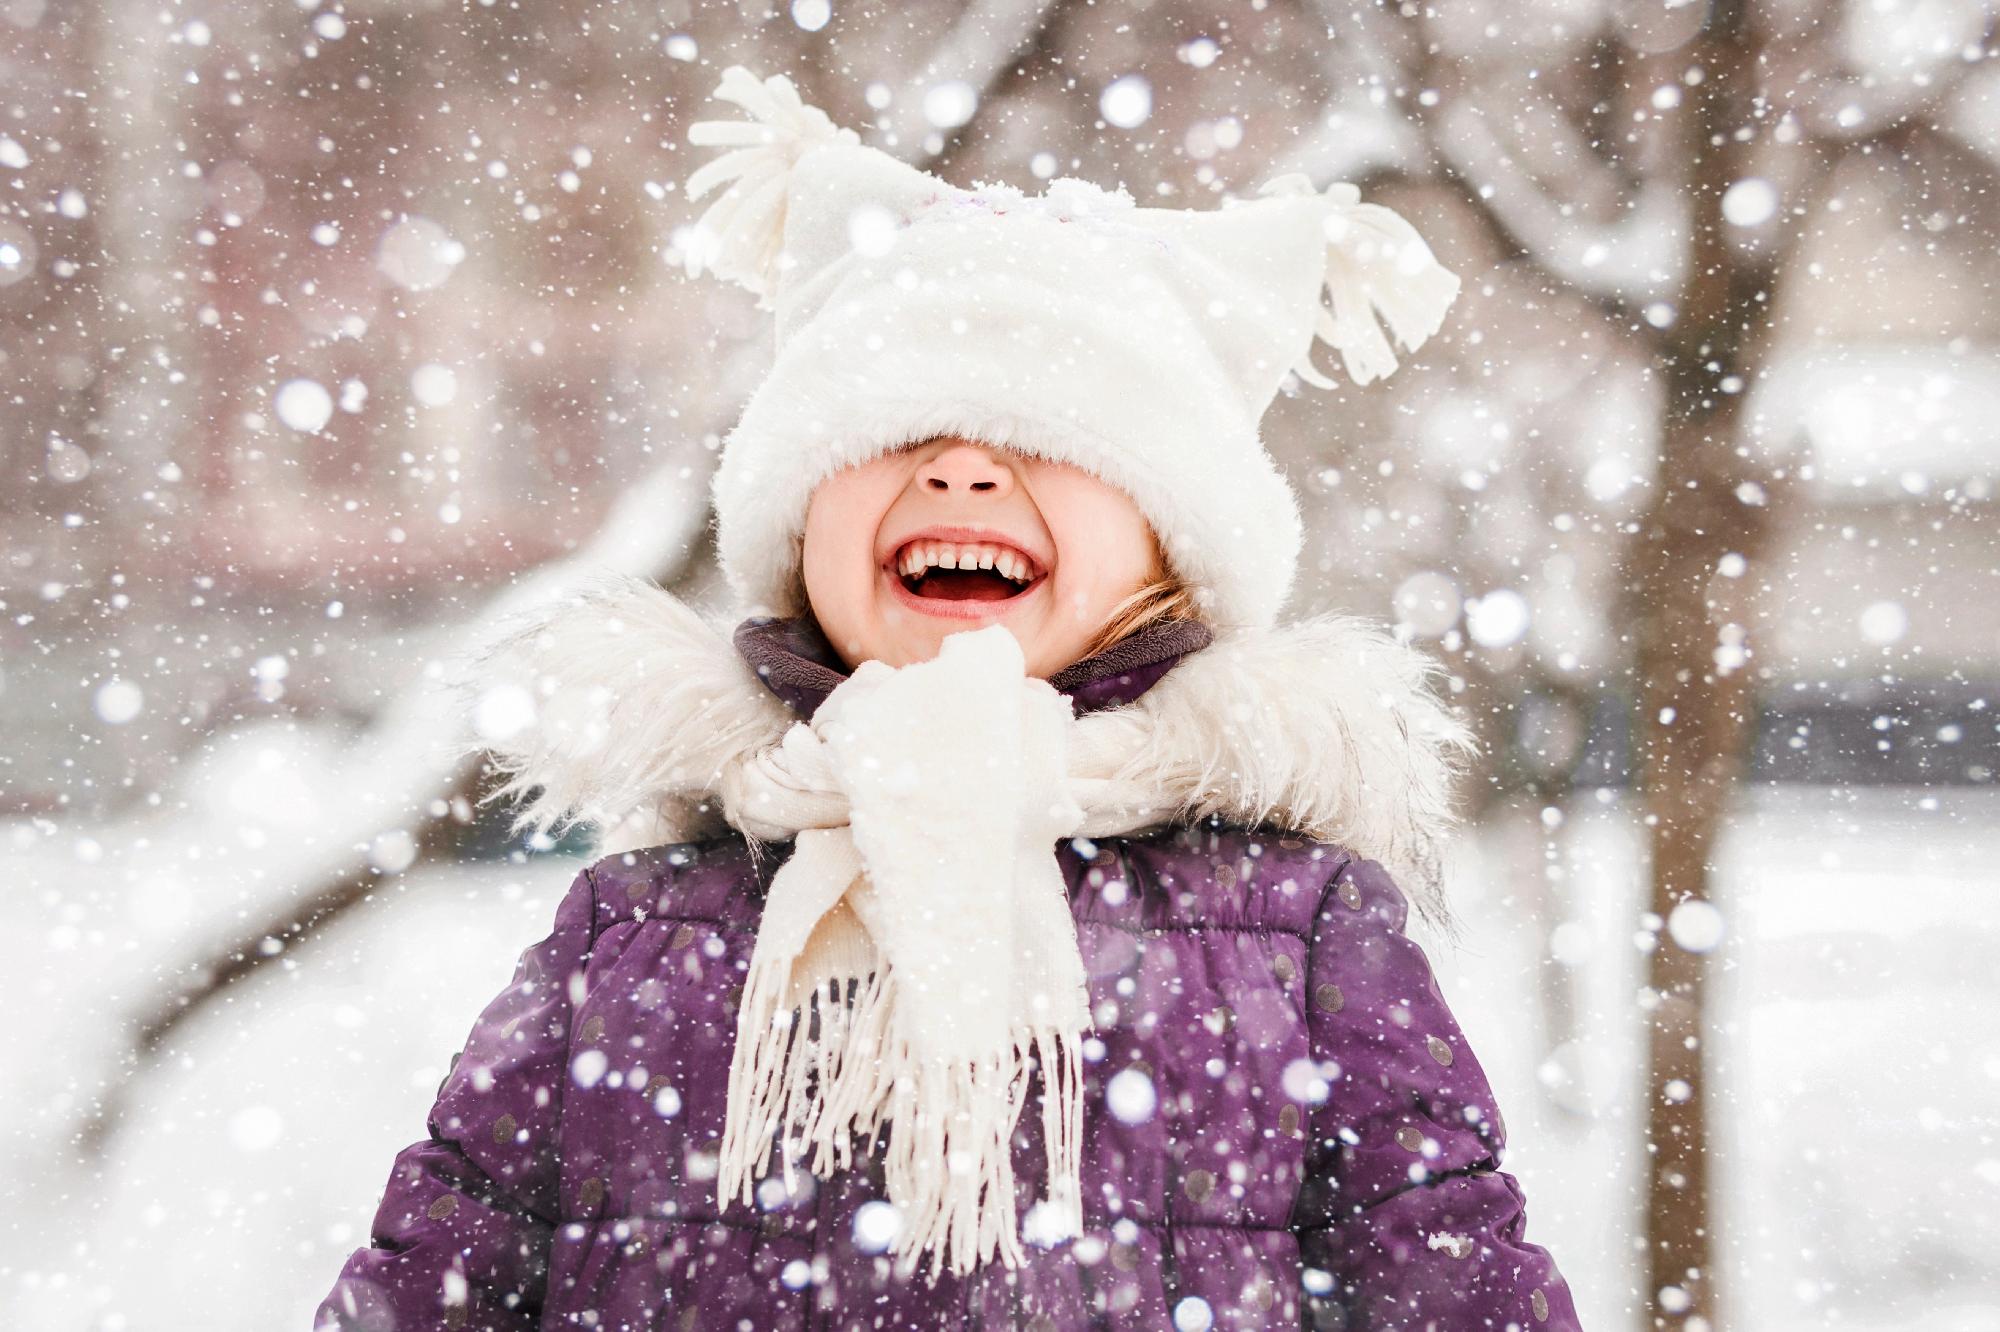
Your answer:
<point x="952" y="585"/>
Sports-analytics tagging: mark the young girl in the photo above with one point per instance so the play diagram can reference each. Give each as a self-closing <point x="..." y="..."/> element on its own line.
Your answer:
<point x="1013" y="898"/>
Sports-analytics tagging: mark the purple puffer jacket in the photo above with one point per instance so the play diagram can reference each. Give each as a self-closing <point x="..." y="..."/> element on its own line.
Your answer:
<point x="1283" y="1125"/>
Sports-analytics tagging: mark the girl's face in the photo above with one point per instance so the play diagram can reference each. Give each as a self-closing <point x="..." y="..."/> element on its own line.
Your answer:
<point x="1044" y="548"/>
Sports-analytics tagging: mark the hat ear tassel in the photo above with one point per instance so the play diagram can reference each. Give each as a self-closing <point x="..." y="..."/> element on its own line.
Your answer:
<point x="742" y="235"/>
<point x="1376" y="263"/>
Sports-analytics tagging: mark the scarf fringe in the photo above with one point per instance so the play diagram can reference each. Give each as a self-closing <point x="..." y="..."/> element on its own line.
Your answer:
<point x="948" y="1160"/>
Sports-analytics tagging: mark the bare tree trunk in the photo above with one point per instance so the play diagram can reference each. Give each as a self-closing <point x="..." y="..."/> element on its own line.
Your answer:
<point x="1691" y="735"/>
<point x="1695" y="717"/>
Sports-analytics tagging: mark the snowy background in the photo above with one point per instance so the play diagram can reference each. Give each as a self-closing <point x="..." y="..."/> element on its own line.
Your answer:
<point x="330" y="331"/>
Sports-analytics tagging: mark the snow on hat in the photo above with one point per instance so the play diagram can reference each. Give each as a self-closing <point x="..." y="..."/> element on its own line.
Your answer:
<point x="1142" y="345"/>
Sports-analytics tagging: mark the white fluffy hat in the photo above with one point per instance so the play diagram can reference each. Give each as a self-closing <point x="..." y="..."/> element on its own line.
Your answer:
<point x="1140" y="344"/>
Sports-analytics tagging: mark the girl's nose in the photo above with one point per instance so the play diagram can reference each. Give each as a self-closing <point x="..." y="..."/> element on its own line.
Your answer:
<point x="966" y="468"/>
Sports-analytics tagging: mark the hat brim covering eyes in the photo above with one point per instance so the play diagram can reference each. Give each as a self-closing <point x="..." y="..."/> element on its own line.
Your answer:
<point x="1041" y="346"/>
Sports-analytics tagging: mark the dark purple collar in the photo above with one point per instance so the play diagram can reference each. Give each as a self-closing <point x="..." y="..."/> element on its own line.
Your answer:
<point x="796" y="662"/>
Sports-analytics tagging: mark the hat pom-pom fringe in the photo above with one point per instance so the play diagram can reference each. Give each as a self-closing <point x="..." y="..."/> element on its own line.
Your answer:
<point x="1375" y="263"/>
<point x="742" y="235"/>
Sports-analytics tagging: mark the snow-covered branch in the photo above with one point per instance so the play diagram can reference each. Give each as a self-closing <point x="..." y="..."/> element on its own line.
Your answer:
<point x="1633" y="259"/>
<point x="380" y="800"/>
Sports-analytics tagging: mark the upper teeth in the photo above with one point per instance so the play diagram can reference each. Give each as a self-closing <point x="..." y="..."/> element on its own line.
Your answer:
<point x="921" y="555"/>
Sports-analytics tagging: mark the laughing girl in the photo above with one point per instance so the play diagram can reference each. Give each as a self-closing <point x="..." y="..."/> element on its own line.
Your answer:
<point x="1002" y="925"/>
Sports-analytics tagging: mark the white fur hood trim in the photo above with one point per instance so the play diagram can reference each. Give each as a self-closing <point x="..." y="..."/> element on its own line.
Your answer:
<point x="620" y="705"/>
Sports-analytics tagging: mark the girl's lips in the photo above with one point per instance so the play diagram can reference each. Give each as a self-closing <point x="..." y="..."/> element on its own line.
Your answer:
<point x="945" y="608"/>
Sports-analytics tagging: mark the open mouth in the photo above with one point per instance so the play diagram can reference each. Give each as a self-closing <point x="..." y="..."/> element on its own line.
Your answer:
<point x="963" y="585"/>
<point x="948" y="580"/>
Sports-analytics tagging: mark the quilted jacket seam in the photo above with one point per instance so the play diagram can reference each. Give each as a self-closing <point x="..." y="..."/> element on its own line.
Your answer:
<point x="1340" y="865"/>
<point x="1480" y="1169"/>
<point x="1139" y="931"/>
<point x="569" y="1035"/>
<point x="1095" y="1223"/>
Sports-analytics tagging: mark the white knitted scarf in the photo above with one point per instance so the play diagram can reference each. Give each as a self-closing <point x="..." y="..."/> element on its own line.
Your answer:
<point x="927" y="803"/>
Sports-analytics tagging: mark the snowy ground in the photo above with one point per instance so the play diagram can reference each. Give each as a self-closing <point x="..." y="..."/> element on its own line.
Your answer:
<point x="1858" y="1067"/>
